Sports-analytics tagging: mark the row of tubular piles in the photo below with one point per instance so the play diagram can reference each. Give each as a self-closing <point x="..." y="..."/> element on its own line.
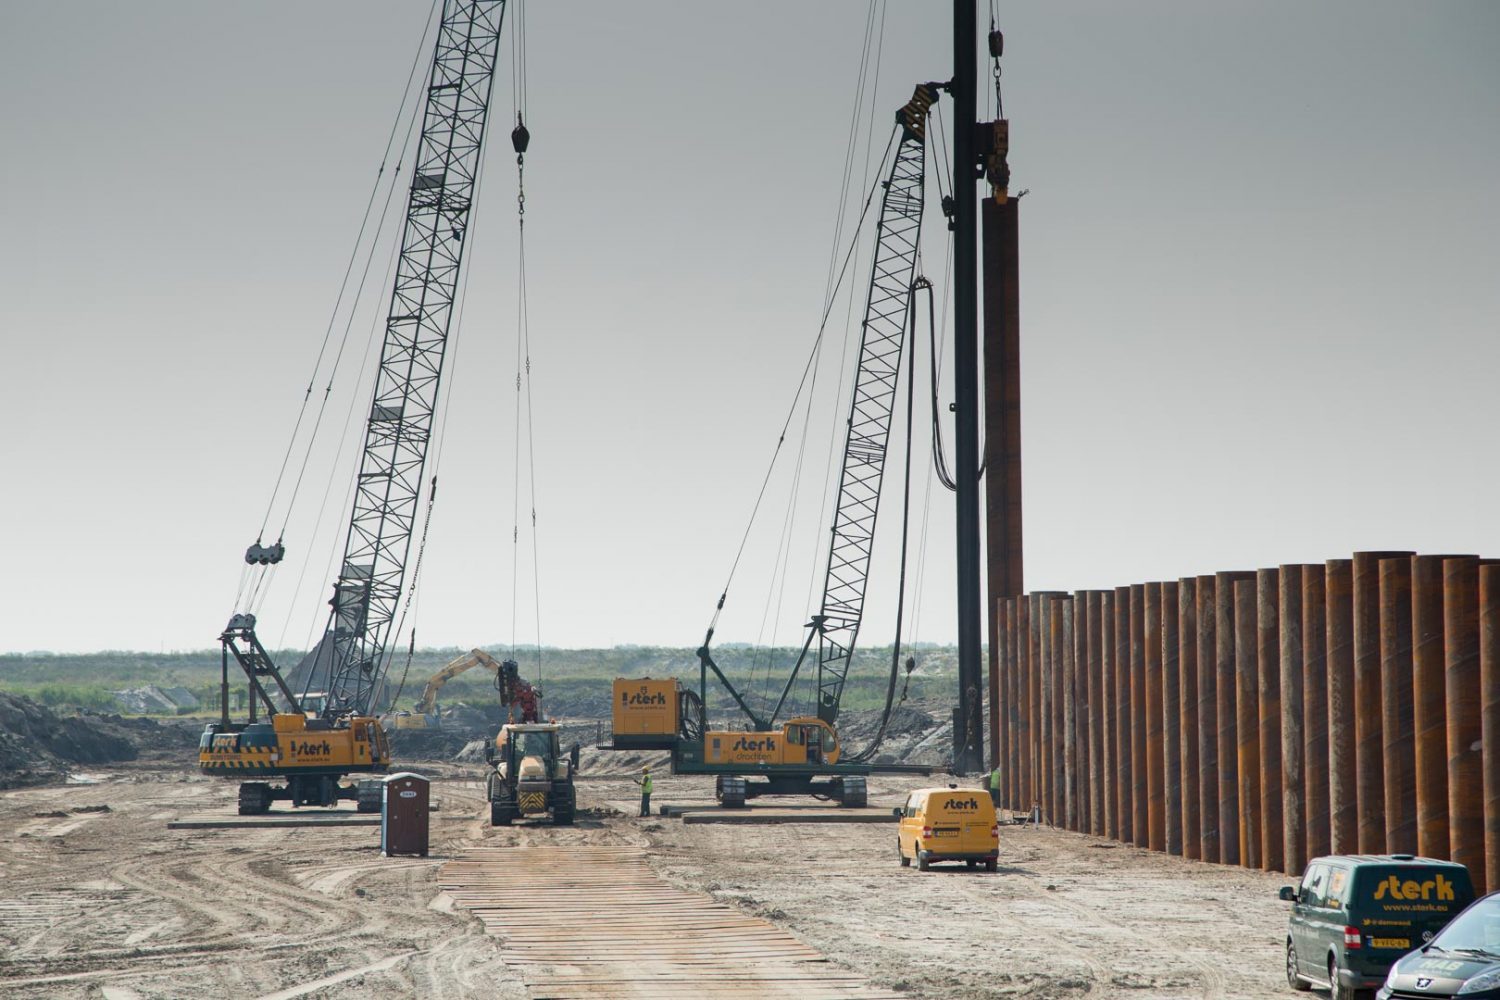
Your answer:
<point x="1262" y="718"/>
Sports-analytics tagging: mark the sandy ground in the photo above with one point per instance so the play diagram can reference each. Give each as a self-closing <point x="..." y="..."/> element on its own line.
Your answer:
<point x="112" y="904"/>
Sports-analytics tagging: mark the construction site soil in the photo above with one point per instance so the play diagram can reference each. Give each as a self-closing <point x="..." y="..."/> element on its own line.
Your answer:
<point x="100" y="899"/>
<point x="38" y="745"/>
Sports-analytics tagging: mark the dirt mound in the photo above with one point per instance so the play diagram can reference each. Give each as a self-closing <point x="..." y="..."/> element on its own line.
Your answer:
<point x="37" y="745"/>
<point x="152" y="739"/>
<point x="427" y="744"/>
<point x="914" y="735"/>
<point x="472" y="753"/>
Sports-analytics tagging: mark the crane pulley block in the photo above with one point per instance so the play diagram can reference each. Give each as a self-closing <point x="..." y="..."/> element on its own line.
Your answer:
<point x="912" y="116"/>
<point x="265" y="555"/>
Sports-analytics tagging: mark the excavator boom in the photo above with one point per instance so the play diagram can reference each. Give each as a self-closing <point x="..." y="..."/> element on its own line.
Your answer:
<point x="515" y="691"/>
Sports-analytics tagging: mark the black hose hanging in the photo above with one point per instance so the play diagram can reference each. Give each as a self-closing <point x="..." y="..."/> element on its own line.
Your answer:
<point x="919" y="284"/>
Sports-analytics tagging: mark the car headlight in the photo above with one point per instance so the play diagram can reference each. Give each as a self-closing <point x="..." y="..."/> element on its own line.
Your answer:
<point x="1484" y="981"/>
<point x="1390" y="977"/>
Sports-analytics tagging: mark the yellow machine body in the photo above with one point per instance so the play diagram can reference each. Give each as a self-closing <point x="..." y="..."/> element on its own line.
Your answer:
<point x="291" y="744"/>
<point x="803" y="740"/>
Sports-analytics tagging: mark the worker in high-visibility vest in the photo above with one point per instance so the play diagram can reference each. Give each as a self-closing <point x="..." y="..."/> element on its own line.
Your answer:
<point x="645" y="784"/>
<point x="995" y="786"/>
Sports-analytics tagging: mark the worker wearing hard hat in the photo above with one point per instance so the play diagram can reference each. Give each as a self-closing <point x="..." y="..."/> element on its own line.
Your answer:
<point x="645" y="784"/>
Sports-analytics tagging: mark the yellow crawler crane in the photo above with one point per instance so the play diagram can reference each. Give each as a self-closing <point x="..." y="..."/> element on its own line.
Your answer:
<point x="306" y="756"/>
<point x="310" y="751"/>
<point x="803" y="755"/>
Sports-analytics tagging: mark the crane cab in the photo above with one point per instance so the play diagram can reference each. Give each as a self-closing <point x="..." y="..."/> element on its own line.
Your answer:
<point x="311" y="755"/>
<point x="804" y="740"/>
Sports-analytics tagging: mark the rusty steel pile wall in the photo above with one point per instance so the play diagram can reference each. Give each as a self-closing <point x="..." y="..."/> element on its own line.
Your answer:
<point x="1263" y="717"/>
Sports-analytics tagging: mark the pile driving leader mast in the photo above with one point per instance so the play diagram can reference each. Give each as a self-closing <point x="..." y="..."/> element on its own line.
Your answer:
<point x="804" y="756"/>
<point x="311" y="754"/>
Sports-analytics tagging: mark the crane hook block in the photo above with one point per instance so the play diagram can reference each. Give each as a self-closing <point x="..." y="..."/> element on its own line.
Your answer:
<point x="997" y="44"/>
<point x="264" y="555"/>
<point x="520" y="138"/>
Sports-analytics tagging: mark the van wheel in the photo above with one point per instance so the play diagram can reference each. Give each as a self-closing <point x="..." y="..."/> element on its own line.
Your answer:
<point x="992" y="865"/>
<point x="922" y="862"/>
<point x="1336" y="989"/>
<point x="905" y="861"/>
<point x="971" y="864"/>
<point x="1294" y="980"/>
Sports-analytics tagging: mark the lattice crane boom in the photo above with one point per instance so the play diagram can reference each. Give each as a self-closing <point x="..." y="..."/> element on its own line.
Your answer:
<point x="882" y="343"/>
<point x="400" y="425"/>
<point x="867" y="433"/>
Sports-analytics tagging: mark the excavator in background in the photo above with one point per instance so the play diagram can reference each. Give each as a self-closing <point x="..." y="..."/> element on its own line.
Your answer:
<point x="515" y="691"/>
<point x="307" y="752"/>
<point x="803" y="755"/>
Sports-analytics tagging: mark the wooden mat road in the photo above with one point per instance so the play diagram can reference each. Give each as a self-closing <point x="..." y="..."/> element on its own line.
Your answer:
<point x="597" y="922"/>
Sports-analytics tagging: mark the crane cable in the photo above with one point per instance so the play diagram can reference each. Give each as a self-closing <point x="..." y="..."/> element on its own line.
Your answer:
<point x="344" y="454"/>
<point x="406" y="95"/>
<point x="520" y="138"/>
<point x="440" y="438"/>
<point x="995" y="41"/>
<point x="797" y="396"/>
<point x="350" y="443"/>
<point x="939" y="453"/>
<point x="388" y="652"/>
<point x="863" y="84"/>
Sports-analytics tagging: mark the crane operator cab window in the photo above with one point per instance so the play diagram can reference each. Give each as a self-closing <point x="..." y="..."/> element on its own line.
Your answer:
<point x="813" y="736"/>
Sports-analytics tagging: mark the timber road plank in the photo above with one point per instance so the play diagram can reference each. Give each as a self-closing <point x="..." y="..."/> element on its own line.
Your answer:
<point x="597" y="922"/>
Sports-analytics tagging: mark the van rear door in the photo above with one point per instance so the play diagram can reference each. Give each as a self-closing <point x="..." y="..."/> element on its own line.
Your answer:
<point x="1398" y="907"/>
<point x="961" y="820"/>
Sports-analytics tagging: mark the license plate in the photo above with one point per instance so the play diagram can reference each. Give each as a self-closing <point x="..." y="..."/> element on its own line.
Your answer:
<point x="941" y="832"/>
<point x="1390" y="942"/>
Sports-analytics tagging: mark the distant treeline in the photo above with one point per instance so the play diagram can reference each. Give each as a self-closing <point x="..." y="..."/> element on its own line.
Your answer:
<point x="88" y="680"/>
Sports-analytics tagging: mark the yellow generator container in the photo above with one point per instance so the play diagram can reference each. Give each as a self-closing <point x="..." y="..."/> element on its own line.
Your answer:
<point x="646" y="713"/>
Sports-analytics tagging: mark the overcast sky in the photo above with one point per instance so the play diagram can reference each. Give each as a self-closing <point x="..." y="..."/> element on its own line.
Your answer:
<point x="1259" y="301"/>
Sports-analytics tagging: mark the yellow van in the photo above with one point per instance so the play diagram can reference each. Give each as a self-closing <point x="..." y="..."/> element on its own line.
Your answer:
<point x="948" y="824"/>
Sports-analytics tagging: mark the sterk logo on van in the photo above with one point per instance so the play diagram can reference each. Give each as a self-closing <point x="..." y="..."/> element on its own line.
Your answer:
<point x="1410" y="890"/>
<point x="962" y="804"/>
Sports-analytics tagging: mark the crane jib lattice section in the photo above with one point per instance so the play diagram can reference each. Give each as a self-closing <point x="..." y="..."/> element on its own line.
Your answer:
<point x="883" y="335"/>
<point x="389" y="482"/>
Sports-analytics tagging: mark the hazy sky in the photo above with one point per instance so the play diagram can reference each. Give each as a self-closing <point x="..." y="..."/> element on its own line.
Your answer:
<point x="1259" y="300"/>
